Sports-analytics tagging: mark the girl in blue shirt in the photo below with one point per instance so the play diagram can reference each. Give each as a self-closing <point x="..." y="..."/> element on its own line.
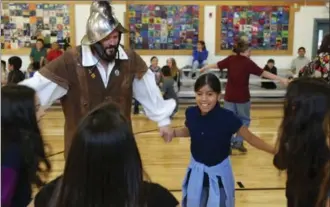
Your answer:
<point x="209" y="180"/>
<point x="200" y="55"/>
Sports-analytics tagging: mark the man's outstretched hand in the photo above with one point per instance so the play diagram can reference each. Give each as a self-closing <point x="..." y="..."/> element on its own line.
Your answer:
<point x="167" y="133"/>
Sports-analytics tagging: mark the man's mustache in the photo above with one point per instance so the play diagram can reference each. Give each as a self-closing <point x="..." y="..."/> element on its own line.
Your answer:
<point x="110" y="47"/>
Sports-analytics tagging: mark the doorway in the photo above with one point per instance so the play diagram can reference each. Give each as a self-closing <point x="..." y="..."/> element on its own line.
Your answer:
<point x="321" y="28"/>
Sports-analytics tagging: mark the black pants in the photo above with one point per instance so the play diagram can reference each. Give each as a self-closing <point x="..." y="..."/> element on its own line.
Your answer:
<point x="136" y="106"/>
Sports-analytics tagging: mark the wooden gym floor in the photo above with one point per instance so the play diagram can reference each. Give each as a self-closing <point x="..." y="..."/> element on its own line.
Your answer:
<point x="258" y="183"/>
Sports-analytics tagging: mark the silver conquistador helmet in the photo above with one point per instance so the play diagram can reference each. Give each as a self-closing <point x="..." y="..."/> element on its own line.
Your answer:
<point x="100" y="23"/>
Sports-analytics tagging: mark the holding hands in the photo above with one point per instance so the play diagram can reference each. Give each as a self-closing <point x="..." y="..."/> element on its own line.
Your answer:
<point x="167" y="133"/>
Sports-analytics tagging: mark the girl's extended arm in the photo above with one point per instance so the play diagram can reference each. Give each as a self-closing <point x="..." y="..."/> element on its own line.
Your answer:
<point x="255" y="141"/>
<point x="207" y="67"/>
<point x="271" y="76"/>
<point x="181" y="132"/>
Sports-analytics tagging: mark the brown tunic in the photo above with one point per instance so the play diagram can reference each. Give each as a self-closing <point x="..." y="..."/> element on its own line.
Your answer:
<point x="86" y="89"/>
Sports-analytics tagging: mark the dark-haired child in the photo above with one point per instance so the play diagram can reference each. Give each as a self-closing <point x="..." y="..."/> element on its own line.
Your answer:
<point x="104" y="138"/>
<point x="15" y="75"/>
<point x="237" y="96"/>
<point x="270" y="67"/>
<point x="209" y="180"/>
<point x="303" y="144"/>
<point x="168" y="87"/>
<point x="22" y="146"/>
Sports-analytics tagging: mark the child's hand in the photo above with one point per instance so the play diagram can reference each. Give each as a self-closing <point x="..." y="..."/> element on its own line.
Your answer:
<point x="203" y="69"/>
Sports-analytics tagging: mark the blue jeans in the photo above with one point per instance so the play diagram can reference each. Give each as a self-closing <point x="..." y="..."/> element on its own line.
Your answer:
<point x="196" y="65"/>
<point x="242" y="110"/>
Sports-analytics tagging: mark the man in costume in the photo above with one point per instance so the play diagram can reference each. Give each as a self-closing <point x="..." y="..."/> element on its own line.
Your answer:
<point x="98" y="71"/>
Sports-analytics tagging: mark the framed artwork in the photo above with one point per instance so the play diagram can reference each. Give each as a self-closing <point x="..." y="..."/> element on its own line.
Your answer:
<point x="156" y="29"/>
<point x="267" y="28"/>
<point x="23" y="23"/>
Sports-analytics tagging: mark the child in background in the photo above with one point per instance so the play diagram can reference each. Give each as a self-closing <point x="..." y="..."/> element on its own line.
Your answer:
<point x="15" y="75"/>
<point x="155" y="69"/>
<point x="200" y="55"/>
<point x="303" y="144"/>
<point x="170" y="62"/>
<point x="54" y="53"/>
<point x="38" y="53"/>
<point x="272" y="69"/>
<point x="300" y="61"/>
<point x="209" y="180"/>
<point x="168" y="87"/>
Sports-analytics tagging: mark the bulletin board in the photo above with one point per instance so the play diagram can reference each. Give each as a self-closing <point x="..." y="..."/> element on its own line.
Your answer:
<point x="164" y="29"/>
<point x="268" y="28"/>
<point x="23" y="23"/>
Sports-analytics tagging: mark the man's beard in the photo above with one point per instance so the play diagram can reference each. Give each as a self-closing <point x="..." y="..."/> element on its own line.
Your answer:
<point x="107" y="54"/>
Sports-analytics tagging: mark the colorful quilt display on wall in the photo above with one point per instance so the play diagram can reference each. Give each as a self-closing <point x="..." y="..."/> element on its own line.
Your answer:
<point x="23" y="23"/>
<point x="163" y="27"/>
<point x="265" y="27"/>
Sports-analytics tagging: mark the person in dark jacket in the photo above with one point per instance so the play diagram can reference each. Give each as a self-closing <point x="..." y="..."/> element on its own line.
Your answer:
<point x="270" y="67"/>
<point x="15" y="75"/>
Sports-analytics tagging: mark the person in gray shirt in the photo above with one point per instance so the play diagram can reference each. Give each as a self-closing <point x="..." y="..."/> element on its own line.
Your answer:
<point x="168" y="87"/>
<point x="300" y="61"/>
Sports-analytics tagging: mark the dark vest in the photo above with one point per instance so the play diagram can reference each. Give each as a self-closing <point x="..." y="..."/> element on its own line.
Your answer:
<point x="86" y="89"/>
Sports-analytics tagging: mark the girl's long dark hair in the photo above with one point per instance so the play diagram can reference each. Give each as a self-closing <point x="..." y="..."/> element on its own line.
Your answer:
<point x="103" y="167"/>
<point x="19" y="128"/>
<point x="323" y="196"/>
<point x="325" y="45"/>
<point x="303" y="136"/>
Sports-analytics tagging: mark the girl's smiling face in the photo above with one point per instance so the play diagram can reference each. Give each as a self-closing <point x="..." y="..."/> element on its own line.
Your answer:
<point x="206" y="98"/>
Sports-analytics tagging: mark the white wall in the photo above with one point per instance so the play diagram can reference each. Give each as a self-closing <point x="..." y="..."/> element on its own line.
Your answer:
<point x="303" y="34"/>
